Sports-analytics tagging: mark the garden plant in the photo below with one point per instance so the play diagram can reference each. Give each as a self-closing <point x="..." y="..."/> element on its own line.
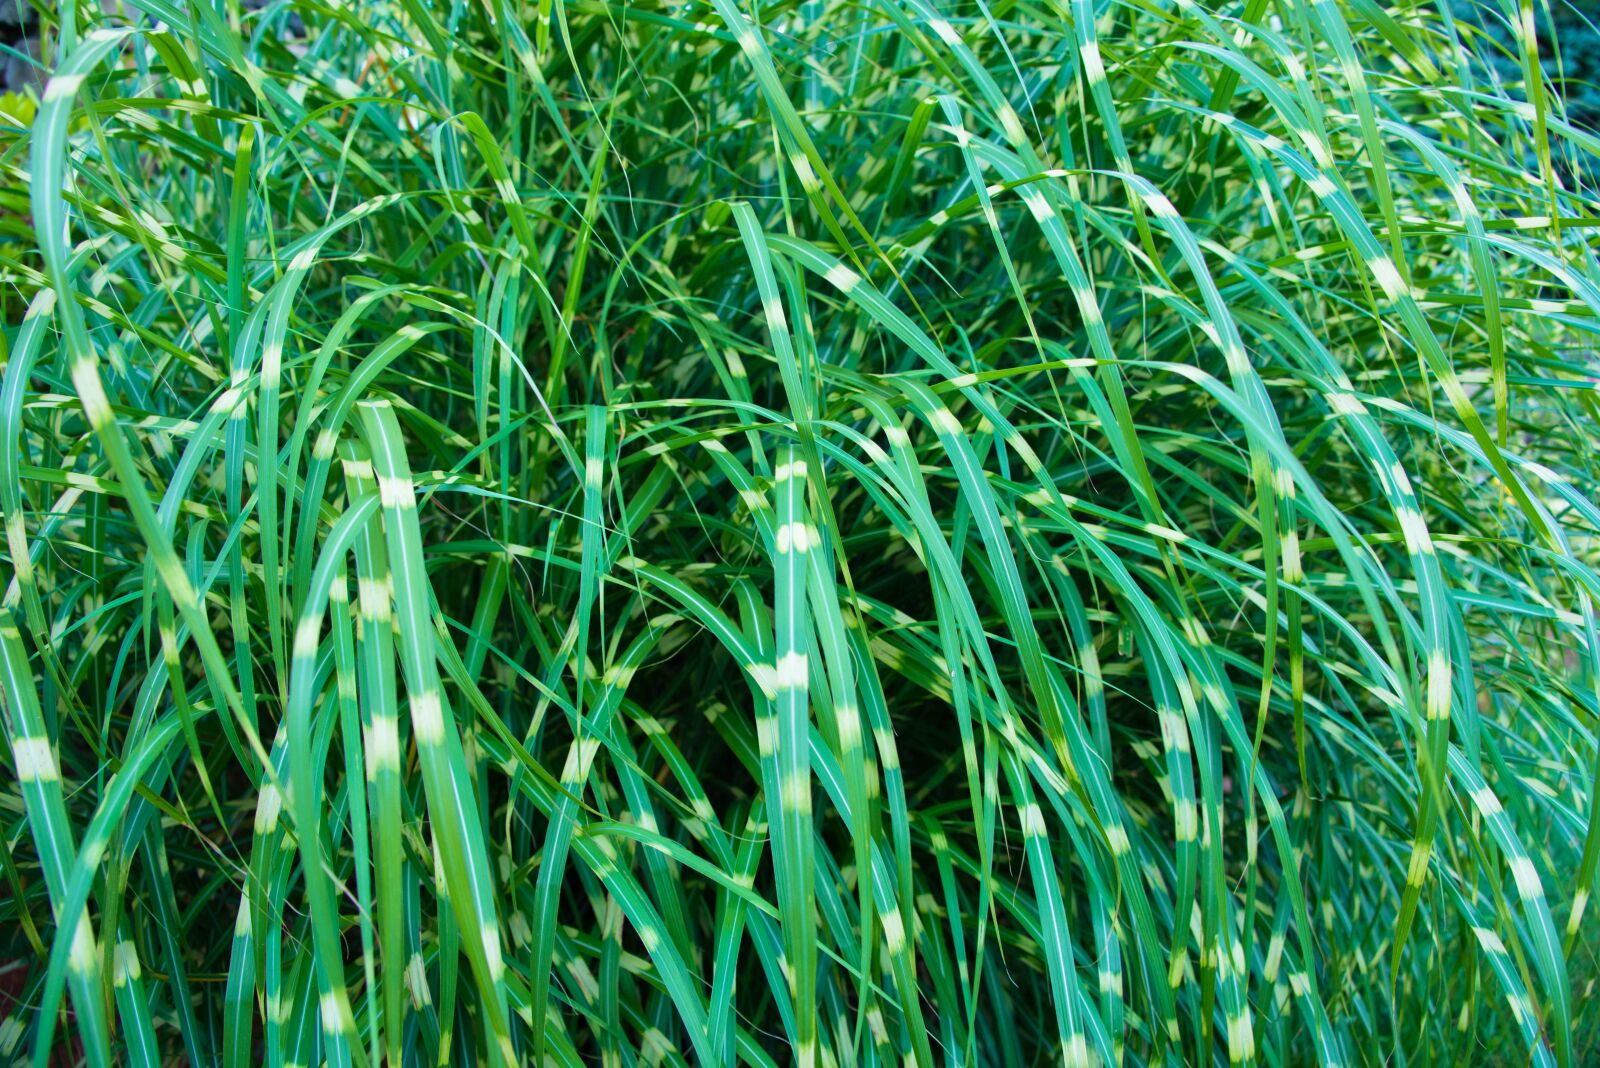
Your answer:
<point x="825" y="533"/>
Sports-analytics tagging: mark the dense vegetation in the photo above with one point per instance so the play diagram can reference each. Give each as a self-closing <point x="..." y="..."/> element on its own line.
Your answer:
<point x="824" y="534"/>
<point x="1570" y="55"/>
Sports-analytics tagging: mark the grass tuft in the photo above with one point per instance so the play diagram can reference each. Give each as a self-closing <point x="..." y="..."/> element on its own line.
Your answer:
<point x="824" y="534"/>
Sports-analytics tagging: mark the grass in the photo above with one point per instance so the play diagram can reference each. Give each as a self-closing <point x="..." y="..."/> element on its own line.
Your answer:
<point x="827" y="534"/>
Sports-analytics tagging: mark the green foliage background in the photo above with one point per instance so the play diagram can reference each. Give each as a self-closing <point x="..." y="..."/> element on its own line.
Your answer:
<point x="1571" y="59"/>
<point x="831" y="533"/>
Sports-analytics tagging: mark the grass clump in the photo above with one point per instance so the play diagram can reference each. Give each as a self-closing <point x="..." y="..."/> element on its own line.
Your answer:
<point x="818" y="534"/>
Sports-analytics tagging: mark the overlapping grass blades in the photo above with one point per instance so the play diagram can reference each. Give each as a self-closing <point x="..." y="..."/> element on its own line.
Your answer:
<point x="824" y="534"/>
